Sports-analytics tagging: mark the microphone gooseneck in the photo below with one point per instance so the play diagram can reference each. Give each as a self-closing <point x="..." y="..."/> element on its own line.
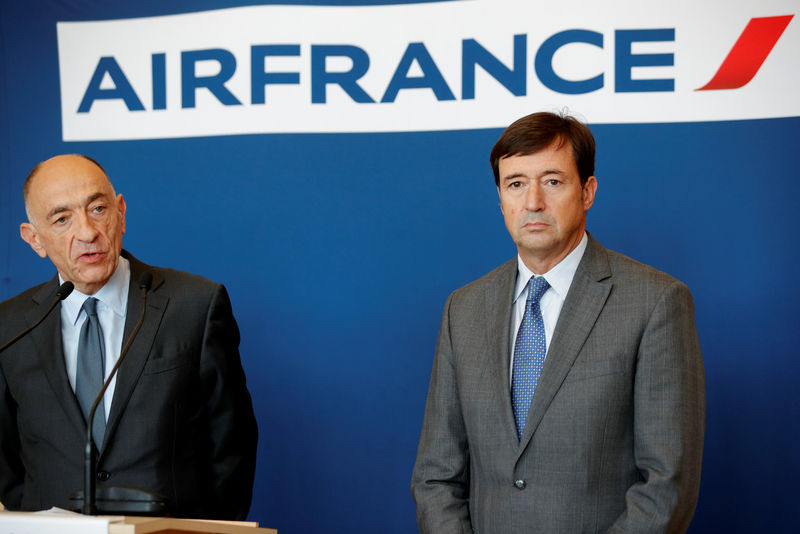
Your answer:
<point x="62" y="292"/>
<point x="89" y="487"/>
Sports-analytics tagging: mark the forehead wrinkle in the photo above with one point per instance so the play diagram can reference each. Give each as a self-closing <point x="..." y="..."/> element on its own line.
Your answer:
<point x="94" y="196"/>
<point x="547" y="172"/>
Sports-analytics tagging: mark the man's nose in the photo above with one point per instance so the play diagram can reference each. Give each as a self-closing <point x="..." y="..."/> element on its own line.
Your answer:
<point x="85" y="229"/>
<point x="534" y="198"/>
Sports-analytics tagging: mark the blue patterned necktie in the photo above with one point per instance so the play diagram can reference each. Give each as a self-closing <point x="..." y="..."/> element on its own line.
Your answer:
<point x="89" y="378"/>
<point x="529" y="352"/>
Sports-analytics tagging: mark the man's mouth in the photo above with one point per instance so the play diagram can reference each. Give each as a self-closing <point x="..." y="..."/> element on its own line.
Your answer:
<point x="90" y="257"/>
<point x="535" y="225"/>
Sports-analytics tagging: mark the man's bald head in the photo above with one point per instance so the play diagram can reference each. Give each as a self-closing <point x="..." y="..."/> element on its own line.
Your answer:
<point x="31" y="175"/>
<point x="74" y="218"/>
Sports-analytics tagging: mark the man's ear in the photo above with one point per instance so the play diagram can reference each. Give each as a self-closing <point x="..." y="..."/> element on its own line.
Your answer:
<point x="121" y="208"/>
<point x="29" y="234"/>
<point x="588" y="192"/>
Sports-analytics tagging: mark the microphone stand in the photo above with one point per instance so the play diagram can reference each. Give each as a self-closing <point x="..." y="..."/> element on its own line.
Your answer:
<point x="62" y="292"/>
<point x="153" y="502"/>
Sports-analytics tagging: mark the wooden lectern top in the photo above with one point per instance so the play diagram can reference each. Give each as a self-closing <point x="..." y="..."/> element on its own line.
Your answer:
<point x="170" y="525"/>
<point x="63" y="521"/>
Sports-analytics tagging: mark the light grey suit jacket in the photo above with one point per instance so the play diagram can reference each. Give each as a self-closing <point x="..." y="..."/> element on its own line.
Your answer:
<point x="614" y="438"/>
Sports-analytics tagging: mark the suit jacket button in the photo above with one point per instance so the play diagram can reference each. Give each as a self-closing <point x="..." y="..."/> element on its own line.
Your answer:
<point x="520" y="484"/>
<point x="103" y="476"/>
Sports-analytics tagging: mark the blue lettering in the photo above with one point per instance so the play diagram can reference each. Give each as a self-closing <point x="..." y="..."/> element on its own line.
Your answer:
<point x="473" y="54"/>
<point x="625" y="61"/>
<point x="159" y="81"/>
<point x="122" y="87"/>
<point x="190" y="82"/>
<point x="431" y="77"/>
<point x="512" y="75"/>
<point x="259" y="78"/>
<point x="544" y="62"/>
<point x="348" y="80"/>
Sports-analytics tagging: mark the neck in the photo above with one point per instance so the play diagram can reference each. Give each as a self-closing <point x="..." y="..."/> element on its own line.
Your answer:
<point x="542" y="263"/>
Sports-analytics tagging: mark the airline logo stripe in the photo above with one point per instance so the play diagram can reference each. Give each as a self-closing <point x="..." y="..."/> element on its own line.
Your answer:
<point x="749" y="52"/>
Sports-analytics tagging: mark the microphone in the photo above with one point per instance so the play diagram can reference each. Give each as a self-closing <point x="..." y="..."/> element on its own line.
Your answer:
<point x="119" y="499"/>
<point x="62" y="292"/>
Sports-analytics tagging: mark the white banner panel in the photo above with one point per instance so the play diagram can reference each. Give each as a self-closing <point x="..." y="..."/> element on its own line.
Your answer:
<point x="432" y="66"/>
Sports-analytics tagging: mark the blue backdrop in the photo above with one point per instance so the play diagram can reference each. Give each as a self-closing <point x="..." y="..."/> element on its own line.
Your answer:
<point x="340" y="250"/>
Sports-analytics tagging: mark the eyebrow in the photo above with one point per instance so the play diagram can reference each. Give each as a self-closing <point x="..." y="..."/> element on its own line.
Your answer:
<point x="545" y="172"/>
<point x="60" y="209"/>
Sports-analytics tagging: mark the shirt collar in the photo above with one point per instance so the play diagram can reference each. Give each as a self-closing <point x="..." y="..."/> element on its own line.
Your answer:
<point x="113" y="294"/>
<point x="559" y="277"/>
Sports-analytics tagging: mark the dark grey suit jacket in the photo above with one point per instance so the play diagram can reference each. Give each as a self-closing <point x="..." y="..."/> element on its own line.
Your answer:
<point x="614" y="437"/>
<point x="181" y="421"/>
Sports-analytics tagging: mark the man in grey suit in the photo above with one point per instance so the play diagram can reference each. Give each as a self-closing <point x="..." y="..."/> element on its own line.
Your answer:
<point x="567" y="392"/>
<point x="177" y="419"/>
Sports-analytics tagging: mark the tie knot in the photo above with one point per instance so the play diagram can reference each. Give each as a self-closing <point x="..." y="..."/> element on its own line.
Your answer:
<point x="90" y="306"/>
<point x="537" y="285"/>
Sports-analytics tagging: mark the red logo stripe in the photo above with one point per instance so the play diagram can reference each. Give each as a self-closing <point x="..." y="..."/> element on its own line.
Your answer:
<point x="748" y="54"/>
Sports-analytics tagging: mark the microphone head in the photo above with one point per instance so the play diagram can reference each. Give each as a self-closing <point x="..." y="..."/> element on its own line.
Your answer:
<point x="64" y="290"/>
<point x="146" y="280"/>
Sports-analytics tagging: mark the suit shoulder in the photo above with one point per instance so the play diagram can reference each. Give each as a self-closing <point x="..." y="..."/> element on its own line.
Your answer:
<point x="23" y="300"/>
<point x="185" y="289"/>
<point x="183" y="278"/>
<point x="504" y="274"/>
<point x="629" y="271"/>
<point x="168" y="276"/>
<point x="13" y="311"/>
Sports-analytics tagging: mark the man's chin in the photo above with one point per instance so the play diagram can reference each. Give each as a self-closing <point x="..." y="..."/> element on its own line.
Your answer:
<point x="537" y="244"/>
<point x="92" y="279"/>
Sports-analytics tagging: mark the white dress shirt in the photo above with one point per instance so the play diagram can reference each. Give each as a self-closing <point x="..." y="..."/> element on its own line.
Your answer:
<point x="560" y="278"/>
<point x="111" y="311"/>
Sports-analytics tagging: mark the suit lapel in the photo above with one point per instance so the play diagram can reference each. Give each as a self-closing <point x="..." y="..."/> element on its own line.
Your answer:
<point x="585" y="300"/>
<point x="50" y="352"/>
<point x="131" y="367"/>
<point x="498" y="314"/>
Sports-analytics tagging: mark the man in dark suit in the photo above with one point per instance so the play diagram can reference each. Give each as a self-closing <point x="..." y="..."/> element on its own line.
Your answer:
<point x="567" y="392"/>
<point x="177" y="419"/>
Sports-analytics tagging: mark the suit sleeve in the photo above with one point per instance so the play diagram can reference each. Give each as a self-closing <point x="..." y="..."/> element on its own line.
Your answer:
<point x="440" y="481"/>
<point x="233" y="430"/>
<point x="669" y="419"/>
<point x="12" y="473"/>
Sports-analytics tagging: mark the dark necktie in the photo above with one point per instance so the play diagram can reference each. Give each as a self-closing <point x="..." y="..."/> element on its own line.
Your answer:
<point x="529" y="353"/>
<point x="89" y="378"/>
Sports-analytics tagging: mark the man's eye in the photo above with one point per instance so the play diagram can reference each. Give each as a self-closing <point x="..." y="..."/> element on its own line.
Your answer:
<point x="60" y="220"/>
<point x="553" y="181"/>
<point x="99" y="209"/>
<point x="515" y="185"/>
